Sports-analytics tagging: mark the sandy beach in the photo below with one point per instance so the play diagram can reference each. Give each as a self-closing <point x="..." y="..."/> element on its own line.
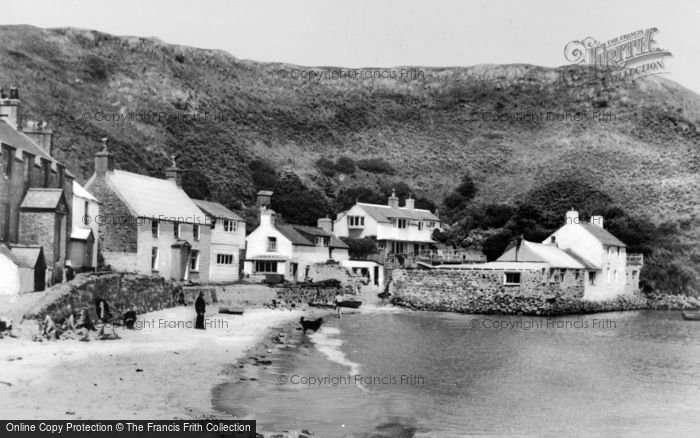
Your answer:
<point x="164" y="370"/>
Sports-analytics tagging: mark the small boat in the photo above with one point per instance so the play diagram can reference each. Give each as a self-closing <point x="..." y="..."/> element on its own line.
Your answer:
<point x="351" y="304"/>
<point x="691" y="315"/>
<point x="321" y="305"/>
<point x="231" y="310"/>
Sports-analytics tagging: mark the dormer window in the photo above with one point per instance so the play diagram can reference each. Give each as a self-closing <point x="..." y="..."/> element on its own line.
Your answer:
<point x="356" y="221"/>
<point x="272" y="244"/>
<point x="323" y="241"/>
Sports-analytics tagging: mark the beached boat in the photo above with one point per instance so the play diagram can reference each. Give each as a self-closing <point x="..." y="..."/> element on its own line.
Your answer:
<point x="322" y="305"/>
<point x="691" y="315"/>
<point x="352" y="304"/>
<point x="231" y="310"/>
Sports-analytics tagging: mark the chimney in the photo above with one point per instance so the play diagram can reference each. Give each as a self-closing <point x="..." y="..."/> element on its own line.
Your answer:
<point x="104" y="160"/>
<point x="264" y="198"/>
<point x="410" y="203"/>
<point x="267" y="216"/>
<point x="173" y="173"/>
<point x="571" y="217"/>
<point x="10" y="107"/>
<point x="41" y="134"/>
<point x="326" y="224"/>
<point x="553" y="241"/>
<point x="393" y="200"/>
<point x="597" y="221"/>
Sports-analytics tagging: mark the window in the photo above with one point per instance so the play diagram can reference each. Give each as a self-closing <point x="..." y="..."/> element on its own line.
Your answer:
<point x="265" y="266"/>
<point x="224" y="259"/>
<point x="7" y="161"/>
<point x="431" y="224"/>
<point x="195" y="232"/>
<point x="512" y="278"/>
<point x="400" y="223"/>
<point x="398" y="247"/>
<point x="176" y="230"/>
<point x="61" y="176"/>
<point x="155" y="229"/>
<point x="46" y="171"/>
<point x="272" y="244"/>
<point x="85" y="208"/>
<point x="591" y="278"/>
<point x="420" y="225"/>
<point x="356" y="221"/>
<point x="28" y="166"/>
<point x="4" y="221"/>
<point x="230" y="226"/>
<point x="194" y="260"/>
<point x="323" y="241"/>
<point x="154" y="258"/>
<point x="618" y="252"/>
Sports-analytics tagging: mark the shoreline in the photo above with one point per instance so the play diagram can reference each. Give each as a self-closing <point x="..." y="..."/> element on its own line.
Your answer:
<point x="131" y="377"/>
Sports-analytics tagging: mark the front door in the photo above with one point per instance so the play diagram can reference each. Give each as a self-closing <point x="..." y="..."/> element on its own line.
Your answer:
<point x="179" y="260"/>
<point x="376" y="275"/>
<point x="295" y="268"/>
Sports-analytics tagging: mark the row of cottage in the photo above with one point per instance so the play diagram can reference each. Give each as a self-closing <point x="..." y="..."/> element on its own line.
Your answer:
<point x="137" y="223"/>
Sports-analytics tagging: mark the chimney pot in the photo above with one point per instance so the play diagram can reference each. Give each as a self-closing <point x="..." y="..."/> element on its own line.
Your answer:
<point x="410" y="203"/>
<point x="572" y="217"/>
<point x="393" y="200"/>
<point x="597" y="221"/>
<point x="104" y="160"/>
<point x="326" y="224"/>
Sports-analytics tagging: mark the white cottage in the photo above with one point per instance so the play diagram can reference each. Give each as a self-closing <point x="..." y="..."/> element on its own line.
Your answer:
<point x="399" y="230"/>
<point x="85" y="229"/>
<point x="227" y="240"/>
<point x="288" y="249"/>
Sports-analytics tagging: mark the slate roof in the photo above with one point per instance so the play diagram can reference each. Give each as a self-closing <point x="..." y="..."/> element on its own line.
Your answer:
<point x="306" y="236"/>
<point x="13" y="257"/>
<point x="514" y="266"/>
<point x="27" y="255"/>
<point x="43" y="199"/>
<point x="216" y="210"/>
<point x="539" y="252"/>
<point x="80" y="192"/>
<point x="17" y="139"/>
<point x="157" y="198"/>
<point x="580" y="259"/>
<point x="384" y="213"/>
<point x="603" y="235"/>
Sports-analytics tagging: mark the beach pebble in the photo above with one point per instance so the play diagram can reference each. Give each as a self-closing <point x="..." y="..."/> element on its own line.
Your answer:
<point x="139" y="370"/>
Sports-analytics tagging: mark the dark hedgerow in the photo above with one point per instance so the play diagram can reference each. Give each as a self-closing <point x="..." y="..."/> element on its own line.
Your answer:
<point x="376" y="165"/>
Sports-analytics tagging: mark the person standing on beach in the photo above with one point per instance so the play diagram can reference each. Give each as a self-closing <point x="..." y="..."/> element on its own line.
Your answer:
<point x="338" y="307"/>
<point x="200" y="307"/>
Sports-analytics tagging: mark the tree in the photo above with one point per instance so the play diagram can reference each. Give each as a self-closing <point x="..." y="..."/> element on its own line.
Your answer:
<point x="345" y="165"/>
<point x="466" y="188"/>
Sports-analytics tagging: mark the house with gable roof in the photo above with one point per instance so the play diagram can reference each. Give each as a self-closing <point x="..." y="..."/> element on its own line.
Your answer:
<point x="290" y="250"/>
<point x="580" y="259"/>
<point x="227" y="241"/>
<point x="149" y="225"/>
<point x="35" y="189"/>
<point x="405" y="231"/>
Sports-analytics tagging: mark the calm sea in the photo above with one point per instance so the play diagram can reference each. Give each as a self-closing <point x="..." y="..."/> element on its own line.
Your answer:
<point x="439" y="374"/>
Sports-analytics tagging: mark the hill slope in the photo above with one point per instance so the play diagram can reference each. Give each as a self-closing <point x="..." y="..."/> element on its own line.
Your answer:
<point x="430" y="128"/>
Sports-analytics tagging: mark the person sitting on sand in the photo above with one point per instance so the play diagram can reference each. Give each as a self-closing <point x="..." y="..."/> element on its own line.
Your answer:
<point x="129" y="318"/>
<point x="50" y="331"/>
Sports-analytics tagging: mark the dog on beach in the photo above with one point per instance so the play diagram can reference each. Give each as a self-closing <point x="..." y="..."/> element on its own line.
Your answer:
<point x="311" y="325"/>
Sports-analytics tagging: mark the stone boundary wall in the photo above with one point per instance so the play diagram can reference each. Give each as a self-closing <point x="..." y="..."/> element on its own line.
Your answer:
<point x="190" y="294"/>
<point x="478" y="291"/>
<point x="300" y="294"/>
<point x="121" y="291"/>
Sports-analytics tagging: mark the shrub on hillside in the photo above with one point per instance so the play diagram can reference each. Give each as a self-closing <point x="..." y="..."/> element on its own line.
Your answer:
<point x="326" y="166"/>
<point x="345" y="165"/>
<point x="376" y="165"/>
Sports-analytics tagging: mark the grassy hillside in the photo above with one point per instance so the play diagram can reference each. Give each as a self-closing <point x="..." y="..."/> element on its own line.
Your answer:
<point x="431" y="129"/>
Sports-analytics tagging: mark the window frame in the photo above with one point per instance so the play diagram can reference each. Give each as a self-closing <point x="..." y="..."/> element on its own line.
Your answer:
<point x="270" y="266"/>
<point x="176" y="230"/>
<point x="512" y="283"/>
<point x="155" y="258"/>
<point x="193" y="253"/>
<point x="155" y="222"/>
<point x="271" y="244"/>
<point x="195" y="232"/>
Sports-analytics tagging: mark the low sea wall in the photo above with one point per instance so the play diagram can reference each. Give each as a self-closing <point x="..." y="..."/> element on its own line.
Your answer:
<point x="121" y="291"/>
<point x="476" y="292"/>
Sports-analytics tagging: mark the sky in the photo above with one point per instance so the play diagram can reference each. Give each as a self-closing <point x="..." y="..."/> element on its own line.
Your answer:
<point x="385" y="33"/>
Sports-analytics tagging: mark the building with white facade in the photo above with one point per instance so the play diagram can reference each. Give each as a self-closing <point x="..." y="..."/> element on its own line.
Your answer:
<point x="226" y="240"/>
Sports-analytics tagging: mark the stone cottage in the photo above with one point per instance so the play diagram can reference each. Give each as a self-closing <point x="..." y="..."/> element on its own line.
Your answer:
<point x="35" y="191"/>
<point x="149" y="225"/>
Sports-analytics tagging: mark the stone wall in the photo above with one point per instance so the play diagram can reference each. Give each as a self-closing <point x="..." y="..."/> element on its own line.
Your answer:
<point x="483" y="291"/>
<point x="121" y="291"/>
<point x="117" y="226"/>
<point x="302" y="294"/>
<point x="332" y="271"/>
<point x="190" y="294"/>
